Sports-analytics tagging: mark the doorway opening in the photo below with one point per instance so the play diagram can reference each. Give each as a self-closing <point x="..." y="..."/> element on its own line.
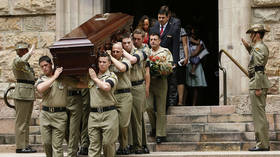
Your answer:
<point x="206" y="18"/>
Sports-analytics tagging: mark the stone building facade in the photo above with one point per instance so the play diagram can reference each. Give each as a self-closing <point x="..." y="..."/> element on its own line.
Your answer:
<point x="44" y="21"/>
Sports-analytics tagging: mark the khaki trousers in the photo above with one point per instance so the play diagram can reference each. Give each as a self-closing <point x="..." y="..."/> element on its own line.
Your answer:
<point x="258" y="104"/>
<point x="72" y="134"/>
<point x="158" y="92"/>
<point x="84" y="126"/>
<point x="124" y="111"/>
<point x="24" y="110"/>
<point x="103" y="130"/>
<point x="53" y="126"/>
<point x="139" y="98"/>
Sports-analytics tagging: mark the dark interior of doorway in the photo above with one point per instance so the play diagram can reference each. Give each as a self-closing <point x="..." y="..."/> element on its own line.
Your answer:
<point x="201" y="13"/>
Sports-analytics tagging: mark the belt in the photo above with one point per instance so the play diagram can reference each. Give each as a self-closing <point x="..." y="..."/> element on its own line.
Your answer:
<point x="125" y="90"/>
<point x="25" y="81"/>
<point x="135" y="83"/>
<point x="102" y="109"/>
<point x="74" y="92"/>
<point x="259" y="68"/>
<point x="54" y="109"/>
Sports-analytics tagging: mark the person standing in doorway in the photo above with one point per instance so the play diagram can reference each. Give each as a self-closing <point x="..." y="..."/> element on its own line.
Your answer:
<point x="258" y="84"/>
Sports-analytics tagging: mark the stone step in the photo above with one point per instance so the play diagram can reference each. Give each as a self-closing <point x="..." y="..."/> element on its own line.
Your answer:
<point x="201" y="110"/>
<point x="214" y="137"/>
<point x="209" y="146"/>
<point x="174" y="137"/>
<point x="174" y="147"/>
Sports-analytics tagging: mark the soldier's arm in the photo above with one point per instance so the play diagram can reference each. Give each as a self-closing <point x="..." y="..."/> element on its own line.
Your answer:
<point x="103" y="85"/>
<point x="42" y="87"/>
<point x="121" y="66"/>
<point x="132" y="59"/>
<point x="25" y="57"/>
<point x="247" y="46"/>
<point x="186" y="49"/>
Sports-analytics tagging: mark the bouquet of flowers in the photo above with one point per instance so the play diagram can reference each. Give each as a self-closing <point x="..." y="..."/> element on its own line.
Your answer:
<point x="159" y="66"/>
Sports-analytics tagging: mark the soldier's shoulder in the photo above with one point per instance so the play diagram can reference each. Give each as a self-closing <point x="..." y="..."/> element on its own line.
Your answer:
<point x="111" y="74"/>
<point x="261" y="47"/>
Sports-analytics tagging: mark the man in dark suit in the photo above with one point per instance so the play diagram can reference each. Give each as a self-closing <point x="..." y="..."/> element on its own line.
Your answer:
<point x="169" y="29"/>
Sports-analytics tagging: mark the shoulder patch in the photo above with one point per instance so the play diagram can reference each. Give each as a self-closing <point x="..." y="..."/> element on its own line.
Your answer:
<point x="258" y="49"/>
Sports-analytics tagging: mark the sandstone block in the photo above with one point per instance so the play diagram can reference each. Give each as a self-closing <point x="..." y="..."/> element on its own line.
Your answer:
<point x="10" y="24"/>
<point x="34" y="23"/>
<point x="262" y="15"/>
<point x="229" y="109"/>
<point x="185" y="137"/>
<point x="220" y="137"/>
<point x="186" y="119"/>
<point x="7" y="126"/>
<point x="51" y="23"/>
<point x="46" y="39"/>
<point x="10" y="139"/>
<point x="225" y="127"/>
<point x="219" y="146"/>
<point x="266" y="3"/>
<point x="189" y="110"/>
<point x="4" y="7"/>
<point x="30" y="6"/>
<point x="274" y="81"/>
<point x="277" y="32"/>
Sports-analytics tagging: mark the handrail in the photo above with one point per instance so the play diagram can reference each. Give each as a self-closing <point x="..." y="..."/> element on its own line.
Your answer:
<point x="224" y="78"/>
<point x="225" y="73"/>
<point x="234" y="61"/>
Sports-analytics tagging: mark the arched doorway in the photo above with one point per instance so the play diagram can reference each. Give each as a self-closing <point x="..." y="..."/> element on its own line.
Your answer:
<point x="192" y="13"/>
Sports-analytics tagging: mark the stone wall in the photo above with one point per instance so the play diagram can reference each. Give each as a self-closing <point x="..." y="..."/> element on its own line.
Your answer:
<point x="32" y="21"/>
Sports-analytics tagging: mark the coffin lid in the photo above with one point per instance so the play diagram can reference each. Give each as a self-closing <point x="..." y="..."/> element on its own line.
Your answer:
<point x="100" y="28"/>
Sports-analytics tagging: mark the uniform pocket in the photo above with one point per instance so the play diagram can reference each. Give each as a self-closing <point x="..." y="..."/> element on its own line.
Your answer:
<point x="25" y="91"/>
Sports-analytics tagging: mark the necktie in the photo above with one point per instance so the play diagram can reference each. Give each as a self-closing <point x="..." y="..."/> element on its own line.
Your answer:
<point x="161" y="30"/>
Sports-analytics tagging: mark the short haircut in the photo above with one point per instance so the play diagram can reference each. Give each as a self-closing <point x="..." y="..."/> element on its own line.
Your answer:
<point x="164" y="10"/>
<point x="155" y="33"/>
<point x="105" y="54"/>
<point x="125" y="35"/>
<point x="138" y="31"/>
<point x="45" y="58"/>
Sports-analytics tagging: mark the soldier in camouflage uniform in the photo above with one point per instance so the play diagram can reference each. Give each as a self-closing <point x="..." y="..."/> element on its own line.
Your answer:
<point x="258" y="85"/>
<point x="24" y="96"/>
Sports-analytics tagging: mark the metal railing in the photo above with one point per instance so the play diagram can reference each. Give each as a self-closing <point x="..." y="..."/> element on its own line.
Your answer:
<point x="225" y="73"/>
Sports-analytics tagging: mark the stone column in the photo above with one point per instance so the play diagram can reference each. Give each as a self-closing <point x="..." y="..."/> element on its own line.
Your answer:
<point x="72" y="13"/>
<point x="234" y="20"/>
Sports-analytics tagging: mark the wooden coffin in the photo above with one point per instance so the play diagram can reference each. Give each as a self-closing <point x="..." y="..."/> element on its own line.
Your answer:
<point x="78" y="50"/>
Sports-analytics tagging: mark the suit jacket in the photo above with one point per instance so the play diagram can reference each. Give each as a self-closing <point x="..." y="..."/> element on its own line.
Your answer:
<point x="170" y="38"/>
<point x="256" y="67"/>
